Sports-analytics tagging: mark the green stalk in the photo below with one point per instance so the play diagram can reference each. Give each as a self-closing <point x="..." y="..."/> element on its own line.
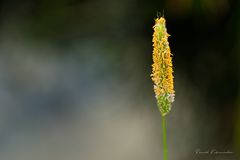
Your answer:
<point x="164" y="136"/>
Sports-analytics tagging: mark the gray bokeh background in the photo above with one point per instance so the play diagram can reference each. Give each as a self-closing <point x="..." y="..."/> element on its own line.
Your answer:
<point x="75" y="84"/>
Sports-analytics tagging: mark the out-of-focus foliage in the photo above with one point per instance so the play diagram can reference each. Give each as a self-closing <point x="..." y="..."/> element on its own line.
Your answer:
<point x="74" y="79"/>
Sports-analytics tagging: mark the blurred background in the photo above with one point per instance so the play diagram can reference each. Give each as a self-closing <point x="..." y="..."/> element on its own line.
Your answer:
<point x="75" y="80"/>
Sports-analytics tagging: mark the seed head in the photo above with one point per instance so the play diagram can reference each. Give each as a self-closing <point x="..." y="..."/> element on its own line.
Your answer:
<point x="162" y="71"/>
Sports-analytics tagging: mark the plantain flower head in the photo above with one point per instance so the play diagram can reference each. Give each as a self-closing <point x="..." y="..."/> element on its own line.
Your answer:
<point x="162" y="71"/>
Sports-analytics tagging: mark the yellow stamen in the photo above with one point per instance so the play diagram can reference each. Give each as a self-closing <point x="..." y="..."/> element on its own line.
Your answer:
<point x="162" y="71"/>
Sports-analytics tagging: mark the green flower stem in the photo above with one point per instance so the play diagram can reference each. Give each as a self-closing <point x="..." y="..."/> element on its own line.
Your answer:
<point x="164" y="136"/>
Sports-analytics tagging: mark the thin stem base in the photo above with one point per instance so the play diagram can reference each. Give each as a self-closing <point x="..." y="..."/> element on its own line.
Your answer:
<point x="164" y="136"/>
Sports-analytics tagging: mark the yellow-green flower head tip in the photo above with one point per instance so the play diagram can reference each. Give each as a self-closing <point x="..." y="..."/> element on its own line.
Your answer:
<point x="162" y="71"/>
